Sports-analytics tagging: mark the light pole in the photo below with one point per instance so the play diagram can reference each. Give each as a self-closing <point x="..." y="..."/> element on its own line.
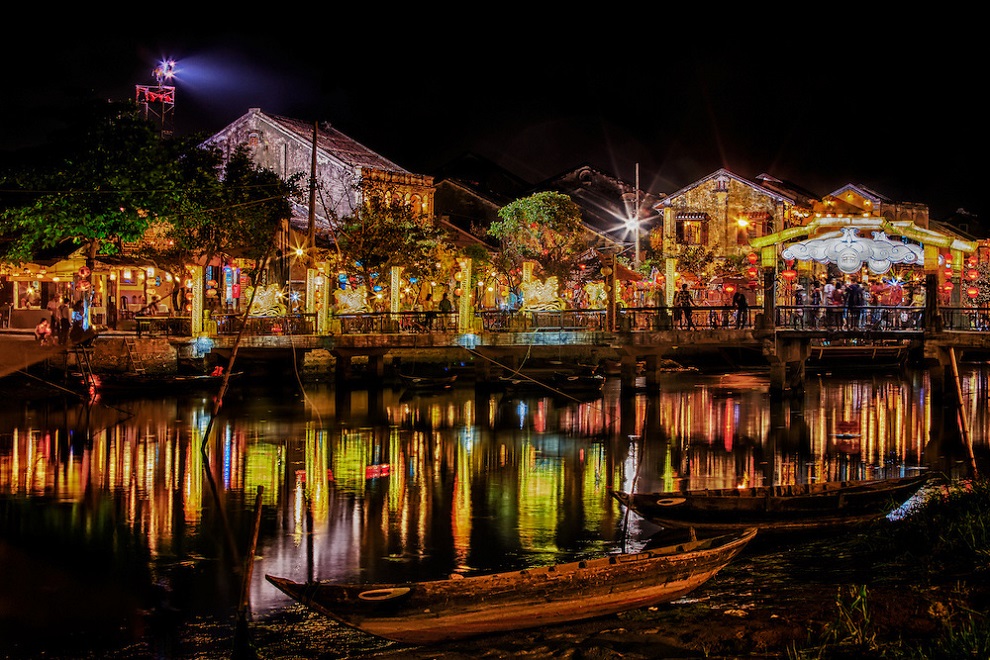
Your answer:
<point x="632" y="219"/>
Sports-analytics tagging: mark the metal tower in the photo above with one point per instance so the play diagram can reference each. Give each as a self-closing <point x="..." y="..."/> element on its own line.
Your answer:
<point x="158" y="101"/>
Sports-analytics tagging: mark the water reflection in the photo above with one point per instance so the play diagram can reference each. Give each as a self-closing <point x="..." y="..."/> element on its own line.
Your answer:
<point x="387" y="485"/>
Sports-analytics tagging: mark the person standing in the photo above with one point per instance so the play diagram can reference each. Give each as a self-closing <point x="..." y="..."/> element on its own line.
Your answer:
<point x="64" y="321"/>
<point x="816" y="299"/>
<point x="800" y="300"/>
<point x="683" y="304"/>
<point x="855" y="301"/>
<point x="742" y="309"/>
<point x="446" y="308"/>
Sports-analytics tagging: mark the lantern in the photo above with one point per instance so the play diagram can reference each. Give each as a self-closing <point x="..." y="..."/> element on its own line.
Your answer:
<point x="947" y="287"/>
<point x="789" y="275"/>
<point x="752" y="272"/>
<point x="751" y="257"/>
<point x="973" y="291"/>
<point x="83" y="272"/>
<point x="972" y="275"/>
<point x="458" y="291"/>
<point x="730" y="289"/>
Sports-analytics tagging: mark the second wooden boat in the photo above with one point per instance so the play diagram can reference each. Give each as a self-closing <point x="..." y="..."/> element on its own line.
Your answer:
<point x="459" y="607"/>
<point x="798" y="507"/>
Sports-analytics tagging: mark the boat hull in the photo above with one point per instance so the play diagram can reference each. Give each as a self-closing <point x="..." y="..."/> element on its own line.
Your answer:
<point x="443" y="610"/>
<point x="801" y="507"/>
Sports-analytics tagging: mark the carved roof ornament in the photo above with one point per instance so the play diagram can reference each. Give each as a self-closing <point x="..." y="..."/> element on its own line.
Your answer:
<point x="849" y="251"/>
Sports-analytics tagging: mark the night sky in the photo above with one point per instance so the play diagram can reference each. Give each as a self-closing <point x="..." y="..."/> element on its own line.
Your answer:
<point x="898" y="108"/>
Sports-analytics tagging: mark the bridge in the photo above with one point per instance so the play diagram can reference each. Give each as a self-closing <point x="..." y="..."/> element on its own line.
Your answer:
<point x="641" y="340"/>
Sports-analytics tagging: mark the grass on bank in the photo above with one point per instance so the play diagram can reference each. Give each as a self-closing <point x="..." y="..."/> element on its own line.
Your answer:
<point x="945" y="543"/>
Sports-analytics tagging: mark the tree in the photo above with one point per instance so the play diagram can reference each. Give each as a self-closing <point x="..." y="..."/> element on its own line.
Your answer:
<point x="106" y="178"/>
<point x="230" y="209"/>
<point x="111" y="180"/>
<point x="546" y="228"/>
<point x="385" y="232"/>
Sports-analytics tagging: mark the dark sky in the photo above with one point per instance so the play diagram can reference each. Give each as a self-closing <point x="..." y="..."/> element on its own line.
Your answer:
<point x="898" y="108"/>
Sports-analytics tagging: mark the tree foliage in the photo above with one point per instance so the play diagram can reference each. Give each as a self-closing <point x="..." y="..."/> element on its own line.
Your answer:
<point x="106" y="179"/>
<point x="386" y="232"/>
<point x="111" y="180"/>
<point x="546" y="228"/>
<point x="230" y="209"/>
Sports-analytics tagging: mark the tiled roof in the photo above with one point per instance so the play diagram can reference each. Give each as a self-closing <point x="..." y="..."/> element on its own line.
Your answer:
<point x="333" y="142"/>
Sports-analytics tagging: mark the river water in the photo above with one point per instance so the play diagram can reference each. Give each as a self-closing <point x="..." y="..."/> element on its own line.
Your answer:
<point x="125" y="529"/>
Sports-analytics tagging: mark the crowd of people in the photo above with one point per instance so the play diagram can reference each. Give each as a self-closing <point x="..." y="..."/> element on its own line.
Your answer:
<point x="834" y="304"/>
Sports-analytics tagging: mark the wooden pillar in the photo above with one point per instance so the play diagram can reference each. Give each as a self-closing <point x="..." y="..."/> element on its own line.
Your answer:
<point x="652" y="373"/>
<point x="627" y="373"/>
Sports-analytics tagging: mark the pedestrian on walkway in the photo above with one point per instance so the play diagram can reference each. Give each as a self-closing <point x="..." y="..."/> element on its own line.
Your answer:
<point x="683" y="304"/>
<point x="742" y="309"/>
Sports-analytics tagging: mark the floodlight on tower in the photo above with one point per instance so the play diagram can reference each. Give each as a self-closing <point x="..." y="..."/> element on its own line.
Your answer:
<point x="158" y="101"/>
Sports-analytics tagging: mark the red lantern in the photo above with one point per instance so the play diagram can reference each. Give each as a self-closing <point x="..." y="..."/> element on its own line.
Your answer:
<point x="789" y="274"/>
<point x="752" y="272"/>
<point x="730" y="289"/>
<point x="972" y="275"/>
<point x="751" y="257"/>
<point x="973" y="291"/>
<point x="947" y="287"/>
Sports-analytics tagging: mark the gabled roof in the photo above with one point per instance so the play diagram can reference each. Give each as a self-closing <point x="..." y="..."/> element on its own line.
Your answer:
<point x="328" y="140"/>
<point x="863" y="191"/>
<point x="779" y="195"/>
<point x="483" y="178"/>
<point x="603" y="198"/>
<point x="799" y="193"/>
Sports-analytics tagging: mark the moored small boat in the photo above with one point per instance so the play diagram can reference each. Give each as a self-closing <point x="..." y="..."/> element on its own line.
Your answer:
<point x="797" y="507"/>
<point x="442" y="381"/>
<point x="459" y="607"/>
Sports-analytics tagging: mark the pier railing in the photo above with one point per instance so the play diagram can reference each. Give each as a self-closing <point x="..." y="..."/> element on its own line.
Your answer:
<point x="879" y="318"/>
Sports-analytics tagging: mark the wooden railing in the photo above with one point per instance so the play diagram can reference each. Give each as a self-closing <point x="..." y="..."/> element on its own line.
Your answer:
<point x="628" y="319"/>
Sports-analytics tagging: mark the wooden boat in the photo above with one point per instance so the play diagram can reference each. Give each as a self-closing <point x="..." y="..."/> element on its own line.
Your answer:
<point x="577" y="383"/>
<point x="459" y="607"/>
<point x="142" y="383"/>
<point x="442" y="381"/>
<point x="799" y="507"/>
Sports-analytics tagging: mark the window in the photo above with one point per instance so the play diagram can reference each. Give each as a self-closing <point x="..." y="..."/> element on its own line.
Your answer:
<point x="691" y="228"/>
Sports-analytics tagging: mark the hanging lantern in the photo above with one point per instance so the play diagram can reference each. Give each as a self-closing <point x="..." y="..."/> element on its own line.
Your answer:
<point x="458" y="291"/>
<point x="730" y="288"/>
<point x="752" y="272"/>
<point x="971" y="262"/>
<point x="752" y="258"/>
<point x="789" y="275"/>
<point x="972" y="275"/>
<point x="83" y="272"/>
<point x="458" y="276"/>
<point x="973" y="291"/>
<point x="947" y="287"/>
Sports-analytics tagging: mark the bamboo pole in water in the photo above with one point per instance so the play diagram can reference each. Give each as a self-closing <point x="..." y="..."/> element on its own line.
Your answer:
<point x="242" y="645"/>
<point x="961" y="412"/>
